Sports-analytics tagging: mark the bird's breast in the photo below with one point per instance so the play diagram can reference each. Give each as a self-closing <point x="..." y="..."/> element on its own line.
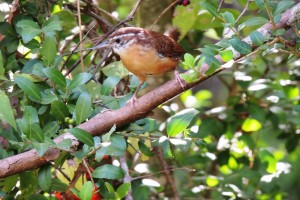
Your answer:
<point x="145" y="60"/>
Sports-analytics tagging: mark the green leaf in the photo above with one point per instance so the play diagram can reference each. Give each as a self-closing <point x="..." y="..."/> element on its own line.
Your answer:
<point x="210" y="8"/>
<point x="41" y="148"/>
<point x="250" y="125"/>
<point x="44" y="178"/>
<point x="115" y="69"/>
<point x="226" y="55"/>
<point x="50" y="129"/>
<point x="80" y="79"/>
<point x="106" y="136"/>
<point x="165" y="145"/>
<point x="29" y="88"/>
<point x="108" y="172"/>
<point x="257" y="38"/>
<point x="123" y="190"/>
<point x="86" y="191"/>
<point x="83" y="107"/>
<point x="109" y="187"/>
<point x="59" y="110"/>
<point x="52" y="24"/>
<point x="189" y="61"/>
<point x="253" y="21"/>
<point x="55" y="76"/>
<point x="229" y="18"/>
<point x="58" y="185"/>
<point x="65" y="144"/>
<point x="144" y="148"/>
<point x="282" y="6"/>
<point x="116" y="147"/>
<point x="83" y="136"/>
<point x="7" y="30"/>
<point x="109" y="84"/>
<point x="241" y="46"/>
<point x="29" y="29"/>
<point x="212" y="62"/>
<point x="6" y="111"/>
<point x="49" y="50"/>
<point x="36" y="133"/>
<point x="2" y="70"/>
<point x="180" y="121"/>
<point x="212" y="181"/>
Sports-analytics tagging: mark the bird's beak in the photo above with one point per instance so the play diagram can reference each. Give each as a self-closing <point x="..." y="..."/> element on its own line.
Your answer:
<point x="102" y="45"/>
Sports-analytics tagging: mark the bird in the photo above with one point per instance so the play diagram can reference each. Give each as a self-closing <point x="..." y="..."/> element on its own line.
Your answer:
<point x="144" y="52"/>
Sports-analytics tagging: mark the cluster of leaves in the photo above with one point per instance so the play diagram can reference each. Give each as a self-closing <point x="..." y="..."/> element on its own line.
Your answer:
<point x="242" y="147"/>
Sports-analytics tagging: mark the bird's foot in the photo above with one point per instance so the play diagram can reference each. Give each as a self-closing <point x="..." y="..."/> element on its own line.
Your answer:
<point x="132" y="100"/>
<point x="179" y="79"/>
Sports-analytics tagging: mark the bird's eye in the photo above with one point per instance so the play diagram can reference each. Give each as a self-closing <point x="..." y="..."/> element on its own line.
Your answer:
<point x="118" y="40"/>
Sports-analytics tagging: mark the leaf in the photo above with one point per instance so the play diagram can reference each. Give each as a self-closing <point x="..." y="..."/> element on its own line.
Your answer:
<point x="115" y="69"/>
<point x="108" y="172"/>
<point x="226" y="55"/>
<point x="241" y="46"/>
<point x="109" y="84"/>
<point x="282" y="6"/>
<point x="165" y="145"/>
<point x="55" y="76"/>
<point x="189" y="61"/>
<point x="41" y="148"/>
<point x="250" y="125"/>
<point x="210" y="8"/>
<point x="50" y="129"/>
<point x="6" y="111"/>
<point x="253" y="21"/>
<point x="123" y="190"/>
<point x="2" y="70"/>
<point x="83" y="136"/>
<point x="212" y="181"/>
<point x="144" y="148"/>
<point x="106" y="137"/>
<point x="59" y="110"/>
<point x="257" y="38"/>
<point x="52" y="24"/>
<point x="228" y="17"/>
<point x="80" y="79"/>
<point x="49" y="50"/>
<point x="58" y="185"/>
<point x="29" y="88"/>
<point x="180" y="121"/>
<point x="83" y="107"/>
<point x="29" y="29"/>
<point x="116" y="147"/>
<point x="44" y="178"/>
<point x="212" y="62"/>
<point x="36" y="132"/>
<point x="86" y="191"/>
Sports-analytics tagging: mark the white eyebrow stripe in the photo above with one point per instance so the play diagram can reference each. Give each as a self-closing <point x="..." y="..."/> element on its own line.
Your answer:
<point x="124" y="35"/>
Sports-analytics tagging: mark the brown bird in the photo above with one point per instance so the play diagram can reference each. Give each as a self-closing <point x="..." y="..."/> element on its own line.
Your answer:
<point x="144" y="52"/>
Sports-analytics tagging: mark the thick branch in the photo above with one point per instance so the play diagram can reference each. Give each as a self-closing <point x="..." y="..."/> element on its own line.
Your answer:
<point x="102" y="122"/>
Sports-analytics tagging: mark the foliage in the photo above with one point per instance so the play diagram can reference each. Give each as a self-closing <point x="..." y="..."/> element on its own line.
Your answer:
<point x="234" y="138"/>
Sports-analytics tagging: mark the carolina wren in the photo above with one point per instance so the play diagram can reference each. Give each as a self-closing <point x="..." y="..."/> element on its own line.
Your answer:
<point x="144" y="52"/>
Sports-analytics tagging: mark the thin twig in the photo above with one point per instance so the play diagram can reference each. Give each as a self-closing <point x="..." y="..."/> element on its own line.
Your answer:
<point x="174" y="3"/>
<point x="243" y="12"/>
<point x="62" y="172"/>
<point x="269" y="14"/>
<point x="159" y="172"/>
<point x="87" y="168"/>
<point x="80" y="35"/>
<point x="218" y="10"/>
<point x="127" y="178"/>
<point x="167" y="171"/>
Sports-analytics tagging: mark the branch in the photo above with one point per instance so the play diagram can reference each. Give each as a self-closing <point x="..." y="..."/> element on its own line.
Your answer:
<point x="102" y="122"/>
